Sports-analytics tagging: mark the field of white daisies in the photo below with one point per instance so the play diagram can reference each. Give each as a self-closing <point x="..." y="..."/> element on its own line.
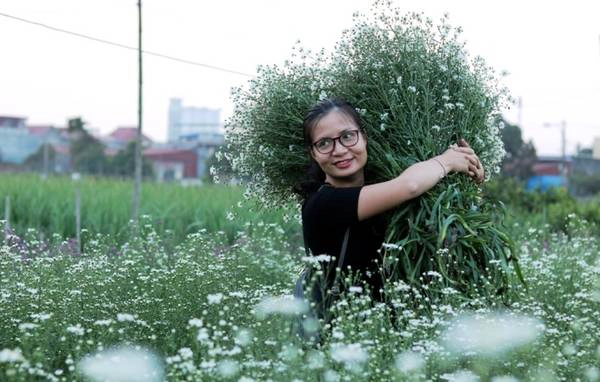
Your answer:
<point x="203" y="291"/>
<point x="211" y="308"/>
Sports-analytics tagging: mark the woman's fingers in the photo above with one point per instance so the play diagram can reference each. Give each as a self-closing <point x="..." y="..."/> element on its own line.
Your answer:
<point x="473" y="160"/>
<point x="463" y="143"/>
<point x="473" y="170"/>
<point x="464" y="150"/>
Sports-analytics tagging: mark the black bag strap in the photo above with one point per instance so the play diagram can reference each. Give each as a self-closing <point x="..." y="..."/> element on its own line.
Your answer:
<point x="343" y="250"/>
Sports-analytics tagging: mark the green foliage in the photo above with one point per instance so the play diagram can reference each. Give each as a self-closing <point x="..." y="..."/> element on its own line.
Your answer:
<point x="417" y="91"/>
<point x="216" y="165"/>
<point x="49" y="207"/>
<point x="87" y="152"/>
<point x="195" y="304"/>
<point x="553" y="208"/>
<point x="585" y="184"/>
<point x="520" y="156"/>
<point x="123" y="163"/>
<point x="35" y="161"/>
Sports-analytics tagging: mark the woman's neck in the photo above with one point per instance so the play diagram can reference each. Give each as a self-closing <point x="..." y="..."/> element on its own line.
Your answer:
<point x="355" y="180"/>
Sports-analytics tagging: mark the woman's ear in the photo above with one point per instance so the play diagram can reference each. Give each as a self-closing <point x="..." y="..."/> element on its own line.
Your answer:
<point x="311" y="152"/>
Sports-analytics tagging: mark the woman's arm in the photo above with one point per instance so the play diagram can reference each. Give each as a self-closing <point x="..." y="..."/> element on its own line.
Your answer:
<point x="417" y="179"/>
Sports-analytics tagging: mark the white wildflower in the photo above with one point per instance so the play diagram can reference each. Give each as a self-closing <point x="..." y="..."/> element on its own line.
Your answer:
<point x="504" y="378"/>
<point x="348" y="354"/>
<point x="391" y="246"/>
<point x="215" y="298"/>
<point x="491" y="333"/>
<point x="227" y="368"/>
<point x="11" y="355"/>
<point x="460" y="376"/>
<point x="592" y="374"/>
<point x="27" y="326"/>
<point x="203" y="335"/>
<point x="243" y="337"/>
<point x="409" y="361"/>
<point x="41" y="316"/>
<point x="186" y="353"/>
<point x="77" y="330"/>
<point x="122" y="364"/>
<point x="286" y="305"/>
<point x="195" y="322"/>
<point x="122" y="317"/>
<point x="331" y="376"/>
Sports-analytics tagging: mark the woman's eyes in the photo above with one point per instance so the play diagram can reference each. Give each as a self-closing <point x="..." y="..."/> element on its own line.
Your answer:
<point x="348" y="135"/>
<point x="324" y="142"/>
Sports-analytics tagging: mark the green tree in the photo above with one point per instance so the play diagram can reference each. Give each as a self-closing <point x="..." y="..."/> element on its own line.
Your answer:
<point x="218" y="164"/>
<point x="123" y="164"/>
<point x="87" y="152"/>
<point x="520" y="155"/>
<point x="35" y="162"/>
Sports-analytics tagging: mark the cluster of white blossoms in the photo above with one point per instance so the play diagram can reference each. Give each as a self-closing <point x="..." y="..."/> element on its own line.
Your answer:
<point x="411" y="79"/>
<point x="417" y="92"/>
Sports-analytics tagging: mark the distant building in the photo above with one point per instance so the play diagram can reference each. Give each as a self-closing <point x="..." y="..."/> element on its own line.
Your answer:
<point x="596" y="148"/>
<point x="59" y="140"/>
<point x="183" y="161"/>
<point x="173" y="164"/>
<point x="119" y="138"/>
<point x="16" y="143"/>
<point x="12" y="122"/>
<point x="190" y="123"/>
<point x="549" y="172"/>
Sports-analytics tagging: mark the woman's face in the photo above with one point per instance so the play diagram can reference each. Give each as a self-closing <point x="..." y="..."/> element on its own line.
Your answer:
<point x="344" y="166"/>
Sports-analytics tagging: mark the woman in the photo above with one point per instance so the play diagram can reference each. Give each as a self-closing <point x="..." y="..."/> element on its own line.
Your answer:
<point x="336" y="198"/>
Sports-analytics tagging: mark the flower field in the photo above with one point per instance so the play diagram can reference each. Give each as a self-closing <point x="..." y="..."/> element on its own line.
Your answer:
<point x="216" y="306"/>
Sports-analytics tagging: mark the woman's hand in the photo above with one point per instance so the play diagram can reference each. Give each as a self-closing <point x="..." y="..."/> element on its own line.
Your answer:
<point x="479" y="173"/>
<point x="462" y="158"/>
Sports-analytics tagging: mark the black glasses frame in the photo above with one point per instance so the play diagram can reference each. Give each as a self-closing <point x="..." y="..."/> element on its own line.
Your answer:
<point x="339" y="139"/>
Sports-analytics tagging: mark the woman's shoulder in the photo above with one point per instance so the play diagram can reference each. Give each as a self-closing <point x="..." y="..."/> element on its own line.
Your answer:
<point x="325" y="190"/>
<point x="328" y="199"/>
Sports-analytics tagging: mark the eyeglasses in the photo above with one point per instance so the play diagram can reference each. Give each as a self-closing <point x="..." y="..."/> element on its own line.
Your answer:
<point x="348" y="138"/>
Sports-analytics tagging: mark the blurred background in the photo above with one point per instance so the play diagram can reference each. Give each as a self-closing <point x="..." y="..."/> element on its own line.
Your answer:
<point x="69" y="78"/>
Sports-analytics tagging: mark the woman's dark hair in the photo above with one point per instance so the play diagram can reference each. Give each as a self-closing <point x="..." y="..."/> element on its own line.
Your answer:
<point x="314" y="176"/>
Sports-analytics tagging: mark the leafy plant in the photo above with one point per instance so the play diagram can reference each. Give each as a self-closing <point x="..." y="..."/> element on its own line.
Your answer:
<point x="417" y="91"/>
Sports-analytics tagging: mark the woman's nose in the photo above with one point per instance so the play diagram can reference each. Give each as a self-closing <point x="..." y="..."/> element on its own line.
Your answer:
<point x="338" y="148"/>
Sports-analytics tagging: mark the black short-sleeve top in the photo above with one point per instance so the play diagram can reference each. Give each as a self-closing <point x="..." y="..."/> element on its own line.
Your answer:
<point x="327" y="213"/>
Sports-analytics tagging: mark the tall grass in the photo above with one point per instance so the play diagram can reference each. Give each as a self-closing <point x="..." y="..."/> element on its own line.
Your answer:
<point x="213" y="311"/>
<point x="48" y="206"/>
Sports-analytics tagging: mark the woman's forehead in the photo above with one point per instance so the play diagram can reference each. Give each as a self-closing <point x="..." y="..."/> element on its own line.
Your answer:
<point x="332" y="124"/>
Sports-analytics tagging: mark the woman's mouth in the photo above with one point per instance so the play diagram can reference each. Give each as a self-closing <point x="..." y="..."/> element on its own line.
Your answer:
<point x="343" y="163"/>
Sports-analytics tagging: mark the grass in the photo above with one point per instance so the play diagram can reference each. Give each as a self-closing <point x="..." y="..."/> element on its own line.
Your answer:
<point x="48" y="206"/>
<point x="210" y="308"/>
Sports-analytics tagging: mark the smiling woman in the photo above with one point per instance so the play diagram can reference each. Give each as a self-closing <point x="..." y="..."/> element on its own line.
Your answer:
<point x="412" y="92"/>
<point x="342" y="215"/>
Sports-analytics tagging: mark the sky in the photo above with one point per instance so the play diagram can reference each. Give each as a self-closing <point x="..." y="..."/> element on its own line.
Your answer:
<point x="551" y="50"/>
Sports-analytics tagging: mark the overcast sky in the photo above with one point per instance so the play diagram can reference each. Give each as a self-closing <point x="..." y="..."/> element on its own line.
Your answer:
<point x="550" y="48"/>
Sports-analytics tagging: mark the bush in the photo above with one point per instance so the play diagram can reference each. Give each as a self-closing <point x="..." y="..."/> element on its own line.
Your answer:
<point x="554" y="208"/>
<point x="583" y="184"/>
<point x="417" y="91"/>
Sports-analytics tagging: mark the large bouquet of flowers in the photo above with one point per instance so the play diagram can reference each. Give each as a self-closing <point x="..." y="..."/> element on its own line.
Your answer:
<point x="417" y="91"/>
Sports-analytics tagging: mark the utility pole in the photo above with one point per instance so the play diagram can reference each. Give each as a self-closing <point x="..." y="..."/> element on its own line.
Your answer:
<point x="563" y="140"/>
<point x="137" y="188"/>
<point x="520" y="110"/>
<point x="46" y="159"/>
<point x="563" y="145"/>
